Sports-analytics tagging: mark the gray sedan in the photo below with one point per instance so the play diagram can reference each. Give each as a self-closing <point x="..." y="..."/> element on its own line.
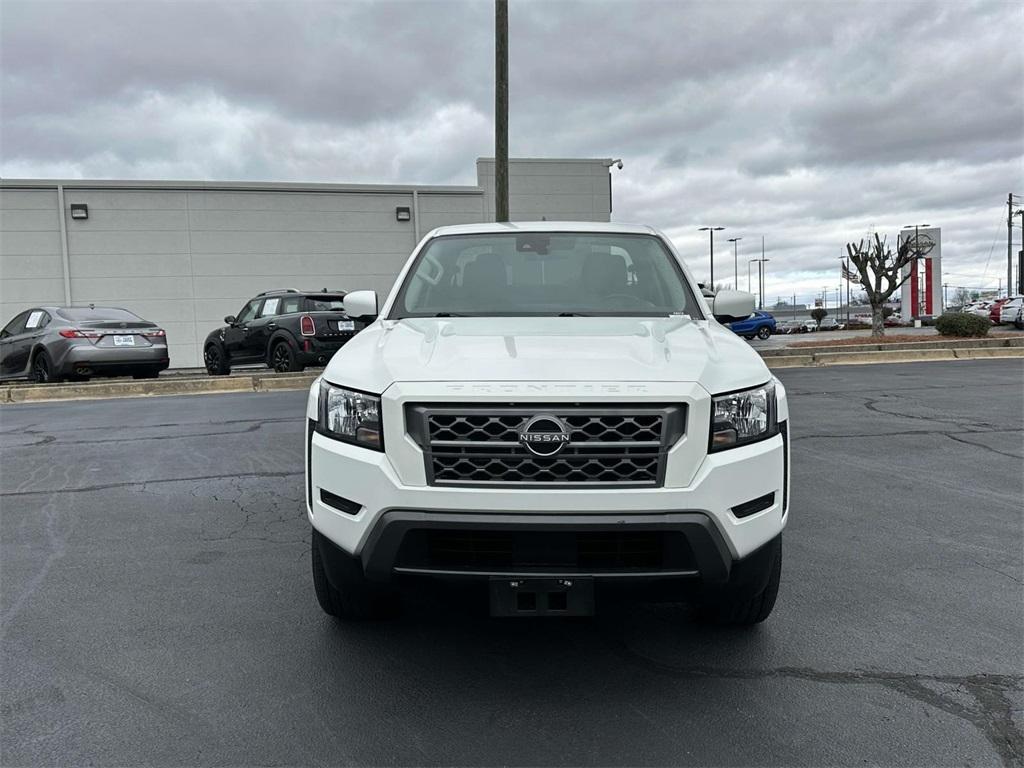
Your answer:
<point x="56" y="343"/>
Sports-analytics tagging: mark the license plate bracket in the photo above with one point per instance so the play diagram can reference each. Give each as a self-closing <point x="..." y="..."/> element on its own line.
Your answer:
<point x="548" y="596"/>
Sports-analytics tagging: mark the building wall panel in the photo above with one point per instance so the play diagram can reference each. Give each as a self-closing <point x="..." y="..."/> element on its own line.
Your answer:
<point x="185" y="257"/>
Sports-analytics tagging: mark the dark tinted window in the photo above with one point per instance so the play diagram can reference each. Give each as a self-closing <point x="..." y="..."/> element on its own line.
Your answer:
<point x="325" y="303"/>
<point x="290" y="305"/>
<point x="16" y="326"/>
<point x="249" y="311"/>
<point x="87" y="314"/>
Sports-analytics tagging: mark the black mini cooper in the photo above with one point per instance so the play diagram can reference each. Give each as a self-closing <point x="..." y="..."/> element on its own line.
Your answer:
<point x="286" y="330"/>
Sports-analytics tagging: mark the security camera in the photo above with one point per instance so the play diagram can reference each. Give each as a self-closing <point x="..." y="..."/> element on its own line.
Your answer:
<point x="618" y="164"/>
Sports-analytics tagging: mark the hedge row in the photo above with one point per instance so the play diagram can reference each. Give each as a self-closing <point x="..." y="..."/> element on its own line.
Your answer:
<point x="962" y="324"/>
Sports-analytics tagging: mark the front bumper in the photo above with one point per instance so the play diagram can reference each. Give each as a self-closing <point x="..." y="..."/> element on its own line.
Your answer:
<point x="384" y="495"/>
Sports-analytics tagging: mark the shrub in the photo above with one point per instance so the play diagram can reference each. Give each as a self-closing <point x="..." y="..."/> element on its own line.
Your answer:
<point x="962" y="324"/>
<point x="818" y="314"/>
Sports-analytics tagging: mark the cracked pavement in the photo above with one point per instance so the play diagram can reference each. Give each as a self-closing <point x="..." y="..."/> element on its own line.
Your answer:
<point x="156" y="606"/>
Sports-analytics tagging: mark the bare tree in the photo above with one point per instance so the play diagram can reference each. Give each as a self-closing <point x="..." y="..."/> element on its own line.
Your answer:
<point x="963" y="296"/>
<point x="880" y="271"/>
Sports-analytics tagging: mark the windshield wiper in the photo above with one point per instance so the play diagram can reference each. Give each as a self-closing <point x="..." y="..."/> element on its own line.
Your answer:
<point x="450" y="314"/>
<point x="574" y="314"/>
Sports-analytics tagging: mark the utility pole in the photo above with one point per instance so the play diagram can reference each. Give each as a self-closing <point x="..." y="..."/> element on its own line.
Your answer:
<point x="1020" y="260"/>
<point x="735" y="262"/>
<point x="760" y="279"/>
<point x="1009" y="243"/>
<point x="711" y="237"/>
<point x="501" y="110"/>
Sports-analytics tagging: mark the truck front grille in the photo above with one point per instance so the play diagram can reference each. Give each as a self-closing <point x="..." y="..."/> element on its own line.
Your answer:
<point x="612" y="445"/>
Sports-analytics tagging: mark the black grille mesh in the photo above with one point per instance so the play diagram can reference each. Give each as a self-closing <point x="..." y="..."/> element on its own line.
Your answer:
<point x="558" y="469"/>
<point x="505" y="428"/>
<point x="617" y="445"/>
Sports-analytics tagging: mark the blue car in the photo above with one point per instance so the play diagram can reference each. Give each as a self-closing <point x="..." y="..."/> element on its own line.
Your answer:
<point x="759" y="324"/>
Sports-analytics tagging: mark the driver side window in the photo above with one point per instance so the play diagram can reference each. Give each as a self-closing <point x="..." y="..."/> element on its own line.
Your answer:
<point x="16" y="326"/>
<point x="248" y="312"/>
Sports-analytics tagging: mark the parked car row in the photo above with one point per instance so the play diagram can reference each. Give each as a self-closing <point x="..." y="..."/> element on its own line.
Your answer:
<point x="286" y="330"/>
<point x="1003" y="311"/>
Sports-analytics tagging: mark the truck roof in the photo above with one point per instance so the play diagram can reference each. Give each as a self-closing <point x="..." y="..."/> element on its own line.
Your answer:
<point x="603" y="227"/>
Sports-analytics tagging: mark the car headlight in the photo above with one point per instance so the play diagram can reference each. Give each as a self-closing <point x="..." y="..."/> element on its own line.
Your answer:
<point x="743" y="417"/>
<point x="351" y="416"/>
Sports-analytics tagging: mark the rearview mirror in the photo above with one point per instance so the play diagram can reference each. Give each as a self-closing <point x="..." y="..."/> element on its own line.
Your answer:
<point x="730" y="306"/>
<point x="361" y="305"/>
<point x="230" y="319"/>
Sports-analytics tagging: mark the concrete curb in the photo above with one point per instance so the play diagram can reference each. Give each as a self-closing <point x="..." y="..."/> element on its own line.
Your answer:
<point x="208" y="385"/>
<point x="986" y="343"/>
<point x="278" y="382"/>
<point x="823" y="359"/>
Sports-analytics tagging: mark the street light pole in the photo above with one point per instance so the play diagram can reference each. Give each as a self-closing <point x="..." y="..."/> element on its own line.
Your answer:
<point x="735" y="262"/>
<point x="711" y="237"/>
<point x="501" y="207"/>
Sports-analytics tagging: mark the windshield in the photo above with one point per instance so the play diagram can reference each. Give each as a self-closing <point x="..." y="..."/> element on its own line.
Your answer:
<point x="545" y="274"/>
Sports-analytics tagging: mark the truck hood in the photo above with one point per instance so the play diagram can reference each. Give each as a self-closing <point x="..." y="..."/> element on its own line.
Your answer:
<point x="589" y="349"/>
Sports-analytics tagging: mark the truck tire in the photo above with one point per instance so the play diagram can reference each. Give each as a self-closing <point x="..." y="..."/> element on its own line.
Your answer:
<point x="737" y="604"/>
<point x="350" y="596"/>
<point x="216" y="360"/>
<point x="764" y="332"/>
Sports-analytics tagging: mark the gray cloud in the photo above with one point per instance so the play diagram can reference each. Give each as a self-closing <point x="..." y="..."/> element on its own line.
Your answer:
<point x="809" y="122"/>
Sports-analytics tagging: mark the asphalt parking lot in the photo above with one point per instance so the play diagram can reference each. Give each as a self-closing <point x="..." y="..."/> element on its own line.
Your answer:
<point x="157" y="606"/>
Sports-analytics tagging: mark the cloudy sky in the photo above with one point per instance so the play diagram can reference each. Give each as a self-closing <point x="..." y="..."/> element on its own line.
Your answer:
<point x="808" y="123"/>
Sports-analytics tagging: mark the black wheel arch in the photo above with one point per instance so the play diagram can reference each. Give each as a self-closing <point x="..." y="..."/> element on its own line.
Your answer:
<point x="38" y="349"/>
<point x="278" y="336"/>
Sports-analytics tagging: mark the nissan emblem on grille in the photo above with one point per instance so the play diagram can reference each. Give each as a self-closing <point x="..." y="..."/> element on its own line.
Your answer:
<point x="544" y="435"/>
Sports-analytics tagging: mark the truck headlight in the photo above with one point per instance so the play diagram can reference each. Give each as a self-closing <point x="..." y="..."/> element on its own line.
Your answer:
<point x="351" y="416"/>
<point x="743" y="417"/>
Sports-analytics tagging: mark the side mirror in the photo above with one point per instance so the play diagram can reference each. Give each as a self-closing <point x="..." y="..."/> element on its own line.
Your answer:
<point x="730" y="306"/>
<point x="230" y="319"/>
<point x="361" y="305"/>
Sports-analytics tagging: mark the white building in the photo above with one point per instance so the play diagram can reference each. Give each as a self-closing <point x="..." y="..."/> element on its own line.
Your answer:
<point x="185" y="254"/>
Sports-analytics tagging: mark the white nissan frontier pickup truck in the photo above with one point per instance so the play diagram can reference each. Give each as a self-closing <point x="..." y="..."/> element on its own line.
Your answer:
<point x="552" y="411"/>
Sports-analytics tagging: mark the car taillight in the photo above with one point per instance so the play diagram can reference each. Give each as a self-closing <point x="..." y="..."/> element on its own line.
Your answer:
<point x="74" y="333"/>
<point x="306" y="326"/>
<point x="156" y="333"/>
